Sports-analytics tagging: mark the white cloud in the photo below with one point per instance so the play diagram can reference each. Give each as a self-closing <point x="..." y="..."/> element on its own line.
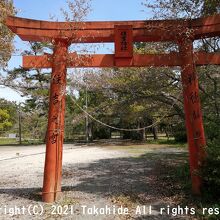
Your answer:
<point x="11" y="95"/>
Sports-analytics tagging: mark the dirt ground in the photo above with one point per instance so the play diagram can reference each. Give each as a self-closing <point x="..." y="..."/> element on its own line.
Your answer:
<point x="95" y="178"/>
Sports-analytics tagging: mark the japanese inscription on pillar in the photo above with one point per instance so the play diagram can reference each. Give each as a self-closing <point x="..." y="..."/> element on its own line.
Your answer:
<point x="123" y="41"/>
<point x="193" y="98"/>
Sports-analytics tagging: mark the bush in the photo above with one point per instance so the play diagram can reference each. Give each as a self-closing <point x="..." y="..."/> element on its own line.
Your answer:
<point x="179" y="133"/>
<point x="211" y="170"/>
<point x="212" y="129"/>
<point x="102" y="133"/>
<point x="133" y="135"/>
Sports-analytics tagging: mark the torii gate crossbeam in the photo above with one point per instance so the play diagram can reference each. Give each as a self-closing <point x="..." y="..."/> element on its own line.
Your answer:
<point x="123" y="34"/>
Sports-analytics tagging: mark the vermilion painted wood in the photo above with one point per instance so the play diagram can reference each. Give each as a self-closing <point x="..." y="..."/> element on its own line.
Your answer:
<point x="123" y="35"/>
<point x="55" y="130"/>
<point x="91" y="25"/>
<point x="193" y="114"/>
<point x="93" y="32"/>
<point x="108" y="60"/>
<point x="92" y="36"/>
<point x="102" y="25"/>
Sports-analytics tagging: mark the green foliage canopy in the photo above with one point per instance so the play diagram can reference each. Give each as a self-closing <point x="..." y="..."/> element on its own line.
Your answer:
<point x="6" y="36"/>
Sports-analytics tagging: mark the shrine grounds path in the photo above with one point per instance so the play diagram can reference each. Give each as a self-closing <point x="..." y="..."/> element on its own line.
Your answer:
<point x="99" y="174"/>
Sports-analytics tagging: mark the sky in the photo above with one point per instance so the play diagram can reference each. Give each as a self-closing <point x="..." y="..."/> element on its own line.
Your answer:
<point x="101" y="10"/>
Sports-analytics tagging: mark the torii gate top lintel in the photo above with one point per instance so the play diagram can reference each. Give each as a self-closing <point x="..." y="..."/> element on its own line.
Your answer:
<point x="99" y="31"/>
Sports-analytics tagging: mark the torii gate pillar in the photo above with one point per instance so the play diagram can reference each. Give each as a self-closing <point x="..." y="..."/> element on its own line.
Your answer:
<point x="193" y="114"/>
<point x="55" y="129"/>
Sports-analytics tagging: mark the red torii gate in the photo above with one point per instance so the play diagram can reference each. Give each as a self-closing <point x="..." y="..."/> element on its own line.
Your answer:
<point x="123" y="34"/>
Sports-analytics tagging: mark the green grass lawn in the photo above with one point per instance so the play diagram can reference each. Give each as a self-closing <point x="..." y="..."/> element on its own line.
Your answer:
<point x="6" y="141"/>
<point x="13" y="141"/>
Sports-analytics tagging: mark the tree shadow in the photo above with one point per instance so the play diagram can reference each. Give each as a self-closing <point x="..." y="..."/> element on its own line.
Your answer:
<point x="33" y="194"/>
<point x="130" y="176"/>
<point x="134" y="179"/>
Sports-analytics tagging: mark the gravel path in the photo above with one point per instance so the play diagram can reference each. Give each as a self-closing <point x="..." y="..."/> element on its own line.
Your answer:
<point x="105" y="178"/>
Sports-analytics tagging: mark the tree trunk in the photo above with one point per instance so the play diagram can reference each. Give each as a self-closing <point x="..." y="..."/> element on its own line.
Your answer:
<point x="155" y="132"/>
<point x="143" y="136"/>
<point x="90" y="131"/>
<point x="141" y="132"/>
<point x="167" y="133"/>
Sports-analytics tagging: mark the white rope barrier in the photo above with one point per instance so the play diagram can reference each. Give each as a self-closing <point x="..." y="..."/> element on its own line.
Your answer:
<point x="121" y="129"/>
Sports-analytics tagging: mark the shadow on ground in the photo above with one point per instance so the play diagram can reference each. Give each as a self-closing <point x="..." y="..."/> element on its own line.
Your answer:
<point x="130" y="175"/>
<point x="128" y="180"/>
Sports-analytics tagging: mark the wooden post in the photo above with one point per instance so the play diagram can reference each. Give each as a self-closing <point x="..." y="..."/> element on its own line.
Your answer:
<point x="55" y="130"/>
<point x="87" y="118"/>
<point x="193" y="114"/>
<point x="19" y="123"/>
